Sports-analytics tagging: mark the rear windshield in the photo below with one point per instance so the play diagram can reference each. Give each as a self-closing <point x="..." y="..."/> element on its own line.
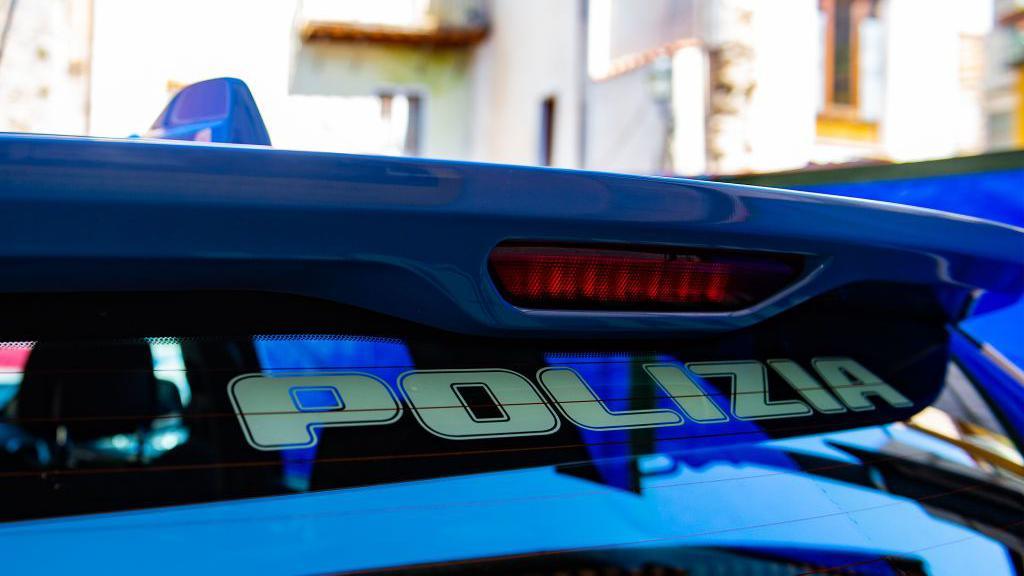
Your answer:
<point x="189" y="418"/>
<point x="101" y="412"/>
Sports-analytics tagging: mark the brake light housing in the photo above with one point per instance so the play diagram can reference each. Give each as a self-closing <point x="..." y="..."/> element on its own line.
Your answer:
<point x="638" y="279"/>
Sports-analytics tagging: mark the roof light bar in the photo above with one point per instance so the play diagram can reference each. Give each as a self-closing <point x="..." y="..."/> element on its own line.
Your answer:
<point x="568" y="277"/>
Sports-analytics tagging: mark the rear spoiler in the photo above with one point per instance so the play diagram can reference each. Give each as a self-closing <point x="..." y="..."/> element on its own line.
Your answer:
<point x="411" y="238"/>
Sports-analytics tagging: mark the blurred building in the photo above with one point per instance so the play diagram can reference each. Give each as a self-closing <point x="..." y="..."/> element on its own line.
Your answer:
<point x="785" y="84"/>
<point x="44" y="64"/>
<point x="1006" y="77"/>
<point x="650" y="86"/>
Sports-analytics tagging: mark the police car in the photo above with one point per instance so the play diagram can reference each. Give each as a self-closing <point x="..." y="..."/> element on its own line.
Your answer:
<point x="218" y="356"/>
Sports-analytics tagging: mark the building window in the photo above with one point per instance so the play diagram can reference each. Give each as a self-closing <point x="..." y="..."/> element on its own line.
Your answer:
<point x="849" y="35"/>
<point x="852" y="69"/>
<point x="547" y="131"/>
<point x="402" y="117"/>
<point x="842" y="60"/>
<point x="414" y="125"/>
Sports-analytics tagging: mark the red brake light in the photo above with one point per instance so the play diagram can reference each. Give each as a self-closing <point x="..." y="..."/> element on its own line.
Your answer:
<point x="596" y="278"/>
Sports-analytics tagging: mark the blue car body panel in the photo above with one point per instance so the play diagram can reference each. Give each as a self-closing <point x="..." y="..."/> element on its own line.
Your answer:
<point x="371" y="231"/>
<point x="741" y="503"/>
<point x="996" y="194"/>
<point x="990" y="186"/>
<point x="993" y="195"/>
<point x="410" y="238"/>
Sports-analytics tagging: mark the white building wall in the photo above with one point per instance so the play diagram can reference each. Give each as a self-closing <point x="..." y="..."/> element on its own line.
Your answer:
<point x="484" y="102"/>
<point x="690" y="107"/>
<point x="139" y="47"/>
<point x="975" y="22"/>
<point x="45" y="67"/>
<point x="929" y="112"/>
<point x="314" y="96"/>
<point x="625" y="129"/>
<point x="532" y="52"/>
<point x="783" y="105"/>
<point x="772" y="128"/>
<point x="339" y="83"/>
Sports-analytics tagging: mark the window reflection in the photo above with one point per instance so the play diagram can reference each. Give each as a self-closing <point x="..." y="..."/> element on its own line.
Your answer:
<point x="62" y="408"/>
<point x="12" y="361"/>
<point x="288" y="355"/>
<point x="169" y="365"/>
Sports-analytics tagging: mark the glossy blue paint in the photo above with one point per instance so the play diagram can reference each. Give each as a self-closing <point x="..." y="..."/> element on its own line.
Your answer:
<point x="316" y="399"/>
<point x="1000" y="328"/>
<point x="410" y="237"/>
<point x="217" y="110"/>
<point x="741" y="498"/>
<point x="286" y="357"/>
<point x="1004" y="392"/>
<point x="994" y="195"/>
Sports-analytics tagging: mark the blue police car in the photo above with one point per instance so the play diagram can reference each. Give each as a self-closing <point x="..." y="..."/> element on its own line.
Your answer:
<point x="217" y="356"/>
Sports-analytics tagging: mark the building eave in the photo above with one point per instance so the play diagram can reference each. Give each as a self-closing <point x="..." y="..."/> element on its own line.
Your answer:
<point x="447" y="37"/>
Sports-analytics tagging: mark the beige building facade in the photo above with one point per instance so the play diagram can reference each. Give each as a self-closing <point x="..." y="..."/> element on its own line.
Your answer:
<point x="688" y="87"/>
